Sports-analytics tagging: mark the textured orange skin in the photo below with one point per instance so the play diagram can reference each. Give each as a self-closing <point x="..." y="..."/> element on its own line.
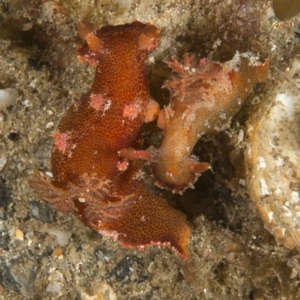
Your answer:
<point x="86" y="178"/>
<point x="205" y="96"/>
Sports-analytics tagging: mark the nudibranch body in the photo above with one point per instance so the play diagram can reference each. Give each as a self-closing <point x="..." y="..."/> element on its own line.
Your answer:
<point x="90" y="179"/>
<point x="205" y="96"/>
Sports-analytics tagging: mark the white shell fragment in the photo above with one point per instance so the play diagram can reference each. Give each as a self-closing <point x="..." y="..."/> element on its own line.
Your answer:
<point x="8" y="97"/>
<point x="273" y="160"/>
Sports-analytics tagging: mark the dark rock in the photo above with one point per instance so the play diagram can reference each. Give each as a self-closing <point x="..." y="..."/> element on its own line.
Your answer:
<point x="5" y="201"/>
<point x="35" y="64"/>
<point x="13" y="136"/>
<point x="102" y="253"/>
<point x="4" y="241"/>
<point x="129" y="269"/>
<point x="41" y="211"/>
<point x="6" y="278"/>
<point x="23" y="271"/>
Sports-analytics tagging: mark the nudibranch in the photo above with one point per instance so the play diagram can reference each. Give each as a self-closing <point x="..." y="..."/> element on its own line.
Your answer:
<point x="205" y="95"/>
<point x="90" y="178"/>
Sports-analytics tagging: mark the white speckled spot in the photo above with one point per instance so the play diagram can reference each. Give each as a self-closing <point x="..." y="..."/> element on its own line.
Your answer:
<point x="294" y="197"/>
<point x="264" y="187"/>
<point x="261" y="162"/>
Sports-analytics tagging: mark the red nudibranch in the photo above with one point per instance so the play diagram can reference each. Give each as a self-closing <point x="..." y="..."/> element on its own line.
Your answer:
<point x="90" y="179"/>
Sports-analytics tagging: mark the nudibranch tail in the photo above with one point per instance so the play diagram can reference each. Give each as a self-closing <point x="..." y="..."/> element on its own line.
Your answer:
<point x="138" y="220"/>
<point x="149" y="221"/>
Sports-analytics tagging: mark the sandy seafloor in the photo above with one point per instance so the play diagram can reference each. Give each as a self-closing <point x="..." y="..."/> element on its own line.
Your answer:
<point x="49" y="255"/>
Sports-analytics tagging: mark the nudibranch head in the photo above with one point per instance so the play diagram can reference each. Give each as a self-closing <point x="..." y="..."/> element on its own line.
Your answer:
<point x="98" y="41"/>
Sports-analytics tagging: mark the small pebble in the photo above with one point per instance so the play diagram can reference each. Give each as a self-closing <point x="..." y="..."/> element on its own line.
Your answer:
<point x="19" y="235"/>
<point x="49" y="125"/>
<point x="8" y="97"/>
<point x="3" y="160"/>
<point x="57" y="251"/>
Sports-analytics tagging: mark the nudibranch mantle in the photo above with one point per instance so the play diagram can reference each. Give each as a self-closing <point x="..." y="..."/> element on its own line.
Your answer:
<point x="90" y="178"/>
